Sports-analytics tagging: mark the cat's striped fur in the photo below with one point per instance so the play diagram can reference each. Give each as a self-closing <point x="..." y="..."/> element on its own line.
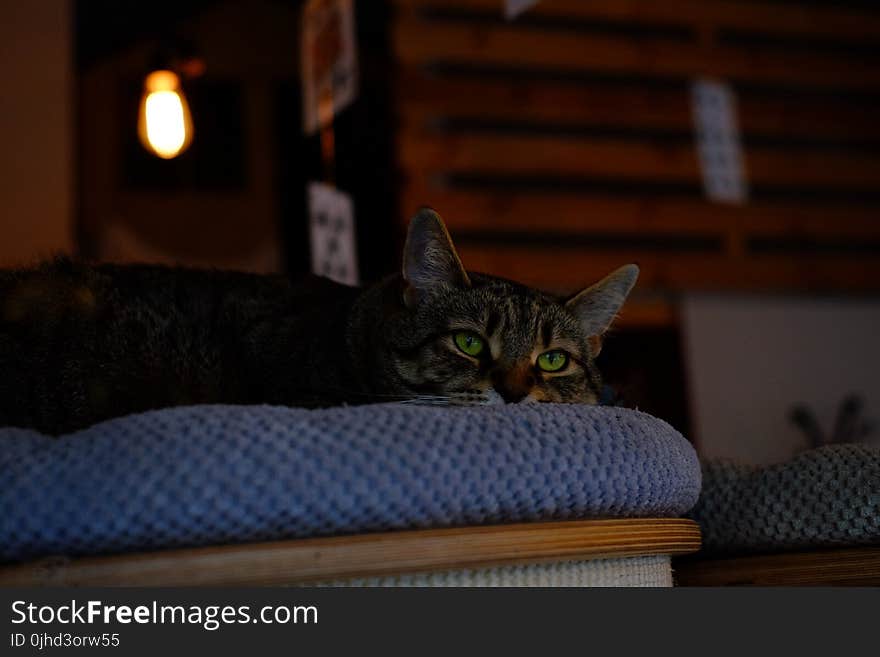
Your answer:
<point x="82" y="343"/>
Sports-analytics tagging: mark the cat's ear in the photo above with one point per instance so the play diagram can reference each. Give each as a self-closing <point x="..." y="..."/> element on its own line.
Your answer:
<point x="598" y="305"/>
<point x="429" y="258"/>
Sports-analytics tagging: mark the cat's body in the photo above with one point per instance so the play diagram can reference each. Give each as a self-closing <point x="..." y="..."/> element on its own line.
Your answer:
<point x="79" y="344"/>
<point x="82" y="343"/>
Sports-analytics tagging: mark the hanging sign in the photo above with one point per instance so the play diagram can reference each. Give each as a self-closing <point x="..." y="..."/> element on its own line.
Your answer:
<point x="513" y="8"/>
<point x="332" y="234"/>
<point x="718" y="141"/>
<point x="328" y="61"/>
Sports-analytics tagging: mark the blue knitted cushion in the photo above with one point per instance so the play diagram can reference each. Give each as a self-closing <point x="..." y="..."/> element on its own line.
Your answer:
<point x="217" y="474"/>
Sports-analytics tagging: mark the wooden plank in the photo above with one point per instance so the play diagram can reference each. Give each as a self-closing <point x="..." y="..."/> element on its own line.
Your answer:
<point x="522" y="212"/>
<point x="776" y="18"/>
<point x="813" y="167"/>
<point x="545" y="156"/>
<point x="515" y="212"/>
<point x="420" y="43"/>
<point x="424" y="100"/>
<point x="366" y="555"/>
<point x="566" y="269"/>
<point x="671" y="162"/>
<point x="844" y="567"/>
<point x="794" y="116"/>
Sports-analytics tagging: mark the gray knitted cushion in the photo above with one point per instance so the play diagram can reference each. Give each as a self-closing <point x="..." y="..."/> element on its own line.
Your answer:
<point x="827" y="497"/>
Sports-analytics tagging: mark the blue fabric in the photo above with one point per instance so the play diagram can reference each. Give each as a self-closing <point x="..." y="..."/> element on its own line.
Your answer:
<point x="822" y="498"/>
<point x="218" y="474"/>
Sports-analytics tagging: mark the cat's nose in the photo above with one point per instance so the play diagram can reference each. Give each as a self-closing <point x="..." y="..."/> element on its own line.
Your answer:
<point x="512" y="396"/>
<point x="513" y="386"/>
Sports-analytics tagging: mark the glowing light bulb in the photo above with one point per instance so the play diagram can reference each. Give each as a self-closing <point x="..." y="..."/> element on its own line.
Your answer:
<point x="164" y="122"/>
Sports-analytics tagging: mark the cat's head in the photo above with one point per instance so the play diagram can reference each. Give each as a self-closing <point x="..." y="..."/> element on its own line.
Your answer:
<point x="463" y="332"/>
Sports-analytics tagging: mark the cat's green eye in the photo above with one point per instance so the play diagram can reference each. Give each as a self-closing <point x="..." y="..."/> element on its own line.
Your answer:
<point x="553" y="361"/>
<point x="469" y="343"/>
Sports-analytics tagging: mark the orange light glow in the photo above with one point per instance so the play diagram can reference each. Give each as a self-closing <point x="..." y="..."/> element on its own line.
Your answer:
<point x="164" y="121"/>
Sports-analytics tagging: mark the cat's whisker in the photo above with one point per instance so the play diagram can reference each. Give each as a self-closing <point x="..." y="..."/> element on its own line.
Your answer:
<point x="427" y="399"/>
<point x="453" y="399"/>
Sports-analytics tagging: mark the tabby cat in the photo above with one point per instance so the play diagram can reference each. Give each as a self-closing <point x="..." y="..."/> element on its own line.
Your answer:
<point x="83" y="343"/>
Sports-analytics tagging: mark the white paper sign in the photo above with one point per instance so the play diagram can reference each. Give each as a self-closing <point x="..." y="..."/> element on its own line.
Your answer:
<point x="718" y="141"/>
<point x="513" y="8"/>
<point x="329" y="61"/>
<point x="332" y="234"/>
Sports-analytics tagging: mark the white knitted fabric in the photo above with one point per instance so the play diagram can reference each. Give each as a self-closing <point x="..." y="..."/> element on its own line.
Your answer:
<point x="651" y="571"/>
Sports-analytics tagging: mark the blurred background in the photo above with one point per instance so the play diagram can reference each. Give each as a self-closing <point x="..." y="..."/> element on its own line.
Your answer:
<point x="729" y="147"/>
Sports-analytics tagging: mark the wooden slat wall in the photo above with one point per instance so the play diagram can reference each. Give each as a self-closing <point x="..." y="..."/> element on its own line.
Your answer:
<point x="560" y="145"/>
